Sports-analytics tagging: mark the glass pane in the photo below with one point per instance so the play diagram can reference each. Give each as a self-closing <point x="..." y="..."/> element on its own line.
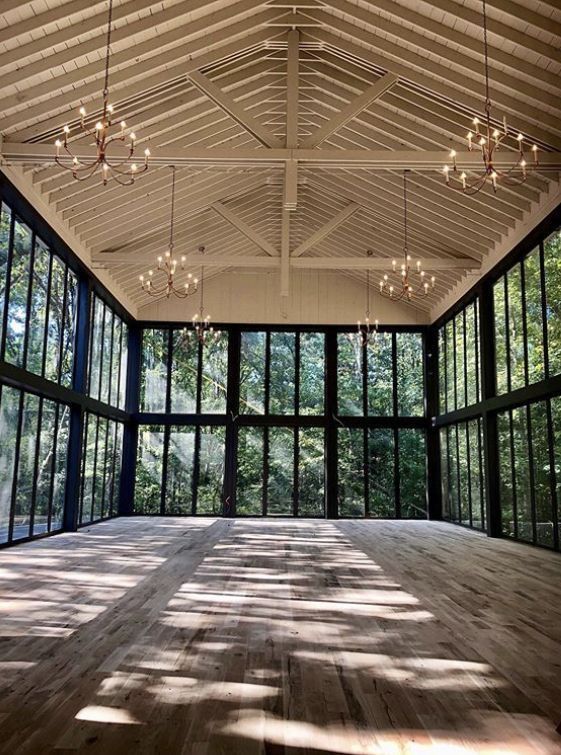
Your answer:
<point x="55" y="319"/>
<point x="17" y="300"/>
<point x="99" y="485"/>
<point x="249" y="489"/>
<point x="453" y="474"/>
<point x="311" y="472"/>
<point x="38" y="311"/>
<point x="280" y="482"/>
<point x="211" y="471"/>
<point x="5" y="223"/>
<point x="464" y="474"/>
<point x="25" y="486"/>
<point x="460" y="362"/>
<point x="9" y="413"/>
<point x="252" y="373"/>
<point x="522" y="474"/>
<point x="67" y="362"/>
<point x="534" y="317"/>
<point x="124" y="364"/>
<point x="109" y="459"/>
<point x="148" y="485"/>
<point x="381" y="475"/>
<point x="61" y="464"/>
<point x="184" y="370"/>
<point x="450" y="367"/>
<point x="500" y="335"/>
<point x="412" y="473"/>
<point x="441" y="371"/>
<point x="552" y="264"/>
<point x="444" y="476"/>
<point x="350" y="446"/>
<point x="410" y="380"/>
<point x="505" y="474"/>
<point x="472" y="360"/>
<point x="349" y="374"/>
<point x="214" y="375"/>
<point x="475" y="473"/>
<point x="88" y="467"/>
<point x="179" y="484"/>
<point x="153" y="372"/>
<point x="96" y="341"/>
<point x="379" y="360"/>
<point x="542" y="489"/>
<point x="115" y="363"/>
<point x="117" y="469"/>
<point x="106" y="367"/>
<point x="282" y="373"/>
<point x="556" y="424"/>
<point x="45" y="467"/>
<point x="515" y="329"/>
<point x="312" y="373"/>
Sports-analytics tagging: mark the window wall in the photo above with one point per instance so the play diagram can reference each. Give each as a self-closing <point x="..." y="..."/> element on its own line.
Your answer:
<point x="108" y="352"/>
<point x="101" y="468"/>
<point x="463" y="473"/>
<point x="517" y="422"/>
<point x="33" y="464"/>
<point x="459" y="360"/>
<point x="59" y="459"/>
<point x="278" y="428"/>
<point x="38" y="294"/>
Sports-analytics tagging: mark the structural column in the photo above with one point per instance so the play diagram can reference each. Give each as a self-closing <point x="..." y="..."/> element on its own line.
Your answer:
<point x="489" y="419"/>
<point x="79" y="384"/>
<point x="130" y="432"/>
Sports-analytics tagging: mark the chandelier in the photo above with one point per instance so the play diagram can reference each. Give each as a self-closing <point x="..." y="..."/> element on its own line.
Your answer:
<point x="200" y="323"/>
<point x="488" y="138"/>
<point x="167" y="266"/>
<point x="122" y="169"/>
<point x="366" y="331"/>
<point x="412" y="281"/>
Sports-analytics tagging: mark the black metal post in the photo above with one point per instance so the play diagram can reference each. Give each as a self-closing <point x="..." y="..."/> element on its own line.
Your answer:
<point x="433" y="441"/>
<point x="79" y="380"/>
<point x="130" y="430"/>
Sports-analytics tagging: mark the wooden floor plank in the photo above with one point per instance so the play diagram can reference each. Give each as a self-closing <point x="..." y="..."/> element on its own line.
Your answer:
<point x="279" y="637"/>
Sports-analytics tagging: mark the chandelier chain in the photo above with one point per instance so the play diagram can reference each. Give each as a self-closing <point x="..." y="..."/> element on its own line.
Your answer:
<point x="108" y="51"/>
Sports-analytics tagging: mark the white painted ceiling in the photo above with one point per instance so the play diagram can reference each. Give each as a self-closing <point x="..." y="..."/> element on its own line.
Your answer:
<point x="52" y="60"/>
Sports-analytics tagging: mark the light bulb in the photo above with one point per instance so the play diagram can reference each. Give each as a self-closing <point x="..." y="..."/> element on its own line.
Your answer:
<point x="82" y="111"/>
<point x="66" y="129"/>
<point x="134" y="168"/>
<point x="519" y="138"/>
<point x="99" y="126"/>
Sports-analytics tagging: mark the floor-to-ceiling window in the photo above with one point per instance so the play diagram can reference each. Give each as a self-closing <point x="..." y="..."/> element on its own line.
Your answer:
<point x="512" y="428"/>
<point x="60" y="439"/>
<point x="461" y="443"/>
<point x="241" y="423"/>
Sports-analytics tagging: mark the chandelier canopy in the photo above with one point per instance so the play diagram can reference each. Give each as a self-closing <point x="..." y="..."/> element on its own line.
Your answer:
<point x="167" y="266"/>
<point x="122" y="168"/>
<point x="488" y="137"/>
<point x="367" y="331"/>
<point x="412" y="281"/>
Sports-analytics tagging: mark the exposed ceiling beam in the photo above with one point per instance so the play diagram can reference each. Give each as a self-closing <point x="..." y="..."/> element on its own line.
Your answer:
<point x="109" y="259"/>
<point x="248" y="232"/>
<point x="350" y="111"/>
<point x="285" y="255"/>
<point x="17" y="152"/>
<point x="234" y="109"/>
<point x="326" y="229"/>
<point x="292" y="87"/>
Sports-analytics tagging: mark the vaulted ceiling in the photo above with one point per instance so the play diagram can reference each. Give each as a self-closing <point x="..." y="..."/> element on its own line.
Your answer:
<point x="290" y="124"/>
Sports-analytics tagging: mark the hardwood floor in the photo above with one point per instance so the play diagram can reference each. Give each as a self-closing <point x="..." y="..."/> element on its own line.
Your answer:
<point x="279" y="637"/>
